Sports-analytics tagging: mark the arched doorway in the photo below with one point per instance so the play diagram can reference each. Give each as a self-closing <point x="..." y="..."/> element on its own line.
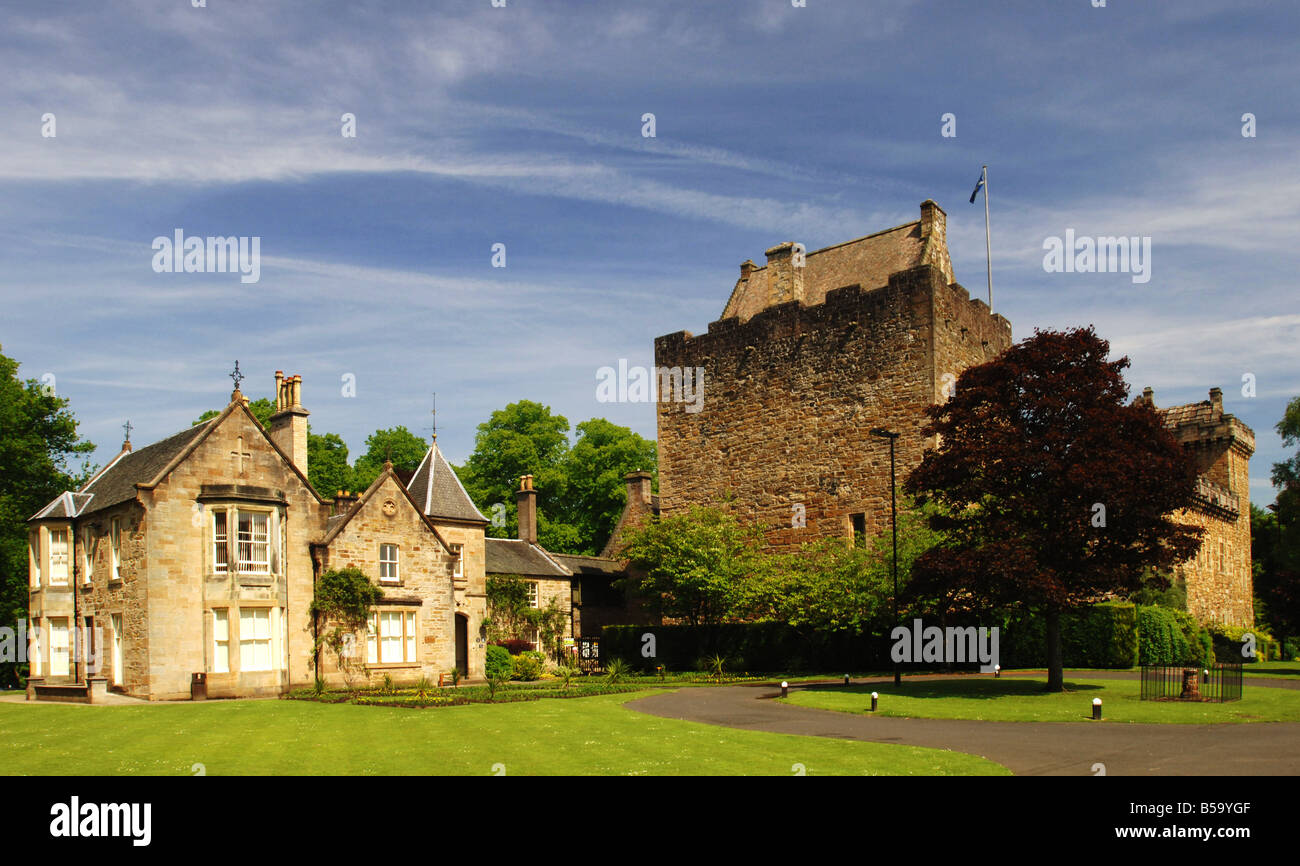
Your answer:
<point x="462" y="644"/>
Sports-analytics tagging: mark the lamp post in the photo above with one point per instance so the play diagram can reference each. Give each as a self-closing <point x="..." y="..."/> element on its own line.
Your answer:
<point x="893" y="519"/>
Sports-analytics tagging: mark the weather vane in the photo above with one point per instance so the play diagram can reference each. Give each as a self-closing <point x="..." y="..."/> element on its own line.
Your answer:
<point x="237" y="376"/>
<point x="435" y="416"/>
<point x="127" y="428"/>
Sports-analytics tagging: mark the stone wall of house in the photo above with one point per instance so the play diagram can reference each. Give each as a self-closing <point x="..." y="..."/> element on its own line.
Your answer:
<point x="471" y="587"/>
<point x="791" y="395"/>
<point x="234" y="465"/>
<point x="425" y="584"/>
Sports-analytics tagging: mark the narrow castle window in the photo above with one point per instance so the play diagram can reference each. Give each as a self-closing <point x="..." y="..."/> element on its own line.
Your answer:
<point x="859" y="524"/>
<point x="458" y="568"/>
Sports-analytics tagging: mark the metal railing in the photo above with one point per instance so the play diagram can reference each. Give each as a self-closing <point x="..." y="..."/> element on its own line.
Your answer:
<point x="1217" y="683"/>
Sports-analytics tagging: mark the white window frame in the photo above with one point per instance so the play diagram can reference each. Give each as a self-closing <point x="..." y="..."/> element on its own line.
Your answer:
<point x="220" y="644"/>
<point x="405" y="639"/>
<point x="250" y="565"/>
<point x="221" y="541"/>
<point x="458" y="566"/>
<point x="87" y="555"/>
<point x="251" y="641"/>
<point x="34" y="556"/>
<point x="393" y="564"/>
<point x="115" y="542"/>
<point x="60" y="564"/>
<point x="534" y="593"/>
<point x="63" y="648"/>
<point x="34" y="646"/>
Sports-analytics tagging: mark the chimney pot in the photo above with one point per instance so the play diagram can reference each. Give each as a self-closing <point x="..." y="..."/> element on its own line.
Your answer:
<point x="526" y="504"/>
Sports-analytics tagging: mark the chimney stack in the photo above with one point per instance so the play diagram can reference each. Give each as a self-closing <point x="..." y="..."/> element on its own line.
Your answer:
<point x="747" y="267"/>
<point x="526" y="501"/>
<point x="1216" y="400"/>
<point x="785" y="273"/>
<point x="639" y="488"/>
<point x="1149" y="396"/>
<point x="289" y="423"/>
<point x="934" y="236"/>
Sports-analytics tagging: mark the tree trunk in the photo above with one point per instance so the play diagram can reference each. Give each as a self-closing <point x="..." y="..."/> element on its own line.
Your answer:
<point x="1055" y="666"/>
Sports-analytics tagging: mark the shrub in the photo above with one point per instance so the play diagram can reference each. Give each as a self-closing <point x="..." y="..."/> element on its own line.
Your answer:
<point x="617" y="671"/>
<point x="498" y="662"/>
<point x="527" y="667"/>
<point x="515" y="647"/>
<point x="1228" y="642"/>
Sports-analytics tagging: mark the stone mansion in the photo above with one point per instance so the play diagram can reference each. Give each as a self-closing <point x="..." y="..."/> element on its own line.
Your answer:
<point x="195" y="558"/>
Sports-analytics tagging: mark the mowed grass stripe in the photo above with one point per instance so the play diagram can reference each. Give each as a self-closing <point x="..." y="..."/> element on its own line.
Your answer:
<point x="1023" y="699"/>
<point x="581" y="736"/>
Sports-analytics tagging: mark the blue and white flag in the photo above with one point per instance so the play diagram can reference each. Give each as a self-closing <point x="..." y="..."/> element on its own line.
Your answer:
<point x="978" y="187"/>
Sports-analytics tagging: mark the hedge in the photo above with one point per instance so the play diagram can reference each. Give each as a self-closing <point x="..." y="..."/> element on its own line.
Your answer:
<point x="760" y="646"/>
<point x="1107" y="635"/>
<point x="1100" y="636"/>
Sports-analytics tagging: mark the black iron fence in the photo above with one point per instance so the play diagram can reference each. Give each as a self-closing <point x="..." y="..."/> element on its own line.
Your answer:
<point x="1217" y="683"/>
<point x="588" y="653"/>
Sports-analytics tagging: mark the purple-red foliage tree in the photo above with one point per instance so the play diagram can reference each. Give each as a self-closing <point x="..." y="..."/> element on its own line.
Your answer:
<point x="1055" y="491"/>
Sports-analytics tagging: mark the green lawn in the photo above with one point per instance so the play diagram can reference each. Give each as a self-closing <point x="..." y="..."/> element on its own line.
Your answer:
<point x="1022" y="699"/>
<point x="1272" y="669"/>
<point x="579" y="736"/>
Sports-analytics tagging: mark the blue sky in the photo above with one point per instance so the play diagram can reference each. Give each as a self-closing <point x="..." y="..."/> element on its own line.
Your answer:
<point x="522" y="125"/>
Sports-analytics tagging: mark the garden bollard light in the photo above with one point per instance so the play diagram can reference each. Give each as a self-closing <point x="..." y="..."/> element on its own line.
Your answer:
<point x="1096" y="709"/>
<point x="997" y="671"/>
<point x="875" y="696"/>
<point x="846" y="679"/>
<point x="785" y="688"/>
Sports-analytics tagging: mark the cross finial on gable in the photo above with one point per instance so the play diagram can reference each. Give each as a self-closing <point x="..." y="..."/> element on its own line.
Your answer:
<point x="237" y="376"/>
<point x="127" y="428"/>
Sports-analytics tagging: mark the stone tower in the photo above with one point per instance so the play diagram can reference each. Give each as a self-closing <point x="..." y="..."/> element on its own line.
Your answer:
<point x="813" y="350"/>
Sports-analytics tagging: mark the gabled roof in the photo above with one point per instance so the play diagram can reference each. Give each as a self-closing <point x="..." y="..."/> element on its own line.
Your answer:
<point x="438" y="493"/>
<point x="512" y="556"/>
<point x="116" y="482"/>
<point x="335" y="524"/>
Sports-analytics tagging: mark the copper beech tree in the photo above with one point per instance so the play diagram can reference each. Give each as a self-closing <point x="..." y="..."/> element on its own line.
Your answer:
<point x="1056" y="492"/>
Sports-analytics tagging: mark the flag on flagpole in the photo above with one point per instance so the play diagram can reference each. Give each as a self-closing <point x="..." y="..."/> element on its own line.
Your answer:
<point x="978" y="187"/>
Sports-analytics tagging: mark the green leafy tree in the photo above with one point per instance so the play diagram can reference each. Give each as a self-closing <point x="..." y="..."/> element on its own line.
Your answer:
<point x="524" y="438"/>
<point x="397" y="444"/>
<point x="1030" y="444"/>
<point x="1275" y="536"/>
<point x="327" y="463"/>
<point x="692" y="566"/>
<point x="833" y="585"/>
<point x="38" y="438"/>
<point x="595" y="490"/>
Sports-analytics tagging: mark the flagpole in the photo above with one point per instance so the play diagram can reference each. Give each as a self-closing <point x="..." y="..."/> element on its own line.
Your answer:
<point x="988" y="243"/>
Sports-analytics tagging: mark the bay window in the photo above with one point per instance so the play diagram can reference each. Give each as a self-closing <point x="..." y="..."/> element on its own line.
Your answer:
<point x="58" y="557"/>
<point x="254" y="541"/>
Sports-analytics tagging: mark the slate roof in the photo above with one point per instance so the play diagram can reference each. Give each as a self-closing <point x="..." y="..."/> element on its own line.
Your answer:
<point x="589" y="566"/>
<point x="866" y="261"/>
<point x="116" y="482"/>
<point x="1191" y="413"/>
<point x="512" y="556"/>
<point x="436" y="489"/>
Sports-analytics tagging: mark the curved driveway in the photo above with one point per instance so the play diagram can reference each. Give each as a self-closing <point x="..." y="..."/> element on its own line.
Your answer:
<point x="1026" y="748"/>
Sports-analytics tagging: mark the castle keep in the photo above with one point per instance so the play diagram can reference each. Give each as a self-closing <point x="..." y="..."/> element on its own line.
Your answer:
<point x="813" y="350"/>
